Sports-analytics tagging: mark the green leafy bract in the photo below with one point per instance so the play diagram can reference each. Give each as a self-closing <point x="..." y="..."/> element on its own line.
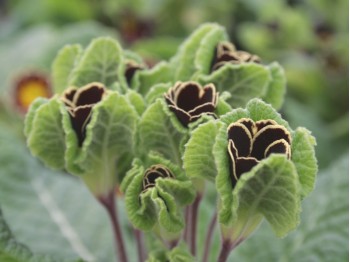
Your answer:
<point x="45" y="136"/>
<point x="196" y="53"/>
<point x="243" y="81"/>
<point x="100" y="62"/>
<point x="63" y="66"/>
<point x="158" y="207"/>
<point x="160" y="131"/>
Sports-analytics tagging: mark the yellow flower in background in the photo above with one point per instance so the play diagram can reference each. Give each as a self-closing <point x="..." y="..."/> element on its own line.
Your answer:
<point x="28" y="87"/>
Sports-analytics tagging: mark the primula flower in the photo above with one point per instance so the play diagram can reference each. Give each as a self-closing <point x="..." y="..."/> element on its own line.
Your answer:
<point x="130" y="69"/>
<point x="79" y="103"/>
<point x="249" y="142"/>
<point x="226" y="53"/>
<point x="189" y="101"/>
<point x="153" y="173"/>
<point x="30" y="86"/>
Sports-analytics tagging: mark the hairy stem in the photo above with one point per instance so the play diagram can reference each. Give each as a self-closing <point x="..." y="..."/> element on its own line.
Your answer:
<point x="209" y="237"/>
<point x="141" y="251"/>
<point x="193" y="228"/>
<point x="109" y="203"/>
<point x="225" y="250"/>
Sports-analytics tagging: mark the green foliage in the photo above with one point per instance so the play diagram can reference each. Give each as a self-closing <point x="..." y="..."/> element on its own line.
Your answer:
<point x="100" y="62"/>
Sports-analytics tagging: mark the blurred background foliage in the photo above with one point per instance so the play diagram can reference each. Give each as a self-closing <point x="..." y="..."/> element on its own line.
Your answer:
<point x="309" y="38"/>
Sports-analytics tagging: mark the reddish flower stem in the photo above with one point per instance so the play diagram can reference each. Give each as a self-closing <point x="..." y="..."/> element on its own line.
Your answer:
<point x="187" y="224"/>
<point x="193" y="227"/>
<point x="109" y="203"/>
<point x="225" y="250"/>
<point x="141" y="251"/>
<point x="209" y="237"/>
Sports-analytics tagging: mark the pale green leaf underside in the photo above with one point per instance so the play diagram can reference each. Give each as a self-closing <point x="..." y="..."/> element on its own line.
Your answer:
<point x="28" y="122"/>
<point x="303" y="156"/>
<point x="156" y="132"/>
<point x="100" y="62"/>
<point x="63" y="66"/>
<point x="276" y="87"/>
<point x="109" y="137"/>
<point x="196" y="53"/>
<point x="144" y="80"/>
<point x="244" y="82"/>
<point x="198" y="158"/>
<point x="323" y="234"/>
<point x="271" y="189"/>
<point x="46" y="139"/>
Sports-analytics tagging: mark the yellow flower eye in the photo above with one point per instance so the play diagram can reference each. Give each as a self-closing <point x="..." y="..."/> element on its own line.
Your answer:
<point x="28" y="88"/>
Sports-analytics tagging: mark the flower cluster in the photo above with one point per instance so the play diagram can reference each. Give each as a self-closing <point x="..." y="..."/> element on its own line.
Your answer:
<point x="79" y="103"/>
<point x="152" y="174"/>
<point x="225" y="53"/>
<point x="249" y="142"/>
<point x="189" y="101"/>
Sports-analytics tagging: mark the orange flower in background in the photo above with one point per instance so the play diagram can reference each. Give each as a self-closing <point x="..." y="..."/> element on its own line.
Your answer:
<point x="28" y="87"/>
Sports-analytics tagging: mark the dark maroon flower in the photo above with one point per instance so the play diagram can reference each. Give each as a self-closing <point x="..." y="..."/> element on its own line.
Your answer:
<point x="153" y="173"/>
<point x="79" y="103"/>
<point x="130" y="69"/>
<point x="249" y="142"/>
<point x="189" y="101"/>
<point x="226" y="53"/>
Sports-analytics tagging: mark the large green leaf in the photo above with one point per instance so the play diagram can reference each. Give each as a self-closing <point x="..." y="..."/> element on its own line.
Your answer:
<point x="100" y="62"/>
<point x="198" y="159"/>
<point x="160" y="131"/>
<point x="45" y="134"/>
<point x="63" y="66"/>
<point x="197" y="51"/>
<point x="51" y="212"/>
<point x="108" y="146"/>
<point x="244" y="82"/>
<point x="276" y="87"/>
<point x="323" y="231"/>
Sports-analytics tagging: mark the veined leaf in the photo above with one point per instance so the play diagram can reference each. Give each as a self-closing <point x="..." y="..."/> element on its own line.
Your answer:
<point x="100" y="62"/>
<point x="63" y="66"/>
<point x="46" y="136"/>
<point x="144" y="80"/>
<point x="276" y="87"/>
<point x="244" y="82"/>
<point x="28" y="123"/>
<point x="198" y="159"/>
<point x="193" y="53"/>
<point x="109" y="138"/>
<point x="271" y="189"/>
<point x="160" y="131"/>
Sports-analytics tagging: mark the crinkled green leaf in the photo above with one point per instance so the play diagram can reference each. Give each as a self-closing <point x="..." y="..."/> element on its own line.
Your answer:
<point x="194" y="54"/>
<point x="276" y="87"/>
<point x="100" y="62"/>
<point x="272" y="189"/>
<point x="63" y="66"/>
<point x="159" y="204"/>
<point x="46" y="139"/>
<point x="323" y="234"/>
<point x="160" y="131"/>
<point x="28" y="123"/>
<point x="303" y="156"/>
<point x="244" y="82"/>
<point x="222" y="107"/>
<point x="108" y="146"/>
<point x="198" y="159"/>
<point x="157" y="91"/>
<point x="180" y="254"/>
<point x="143" y="80"/>
<point x="136" y="100"/>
